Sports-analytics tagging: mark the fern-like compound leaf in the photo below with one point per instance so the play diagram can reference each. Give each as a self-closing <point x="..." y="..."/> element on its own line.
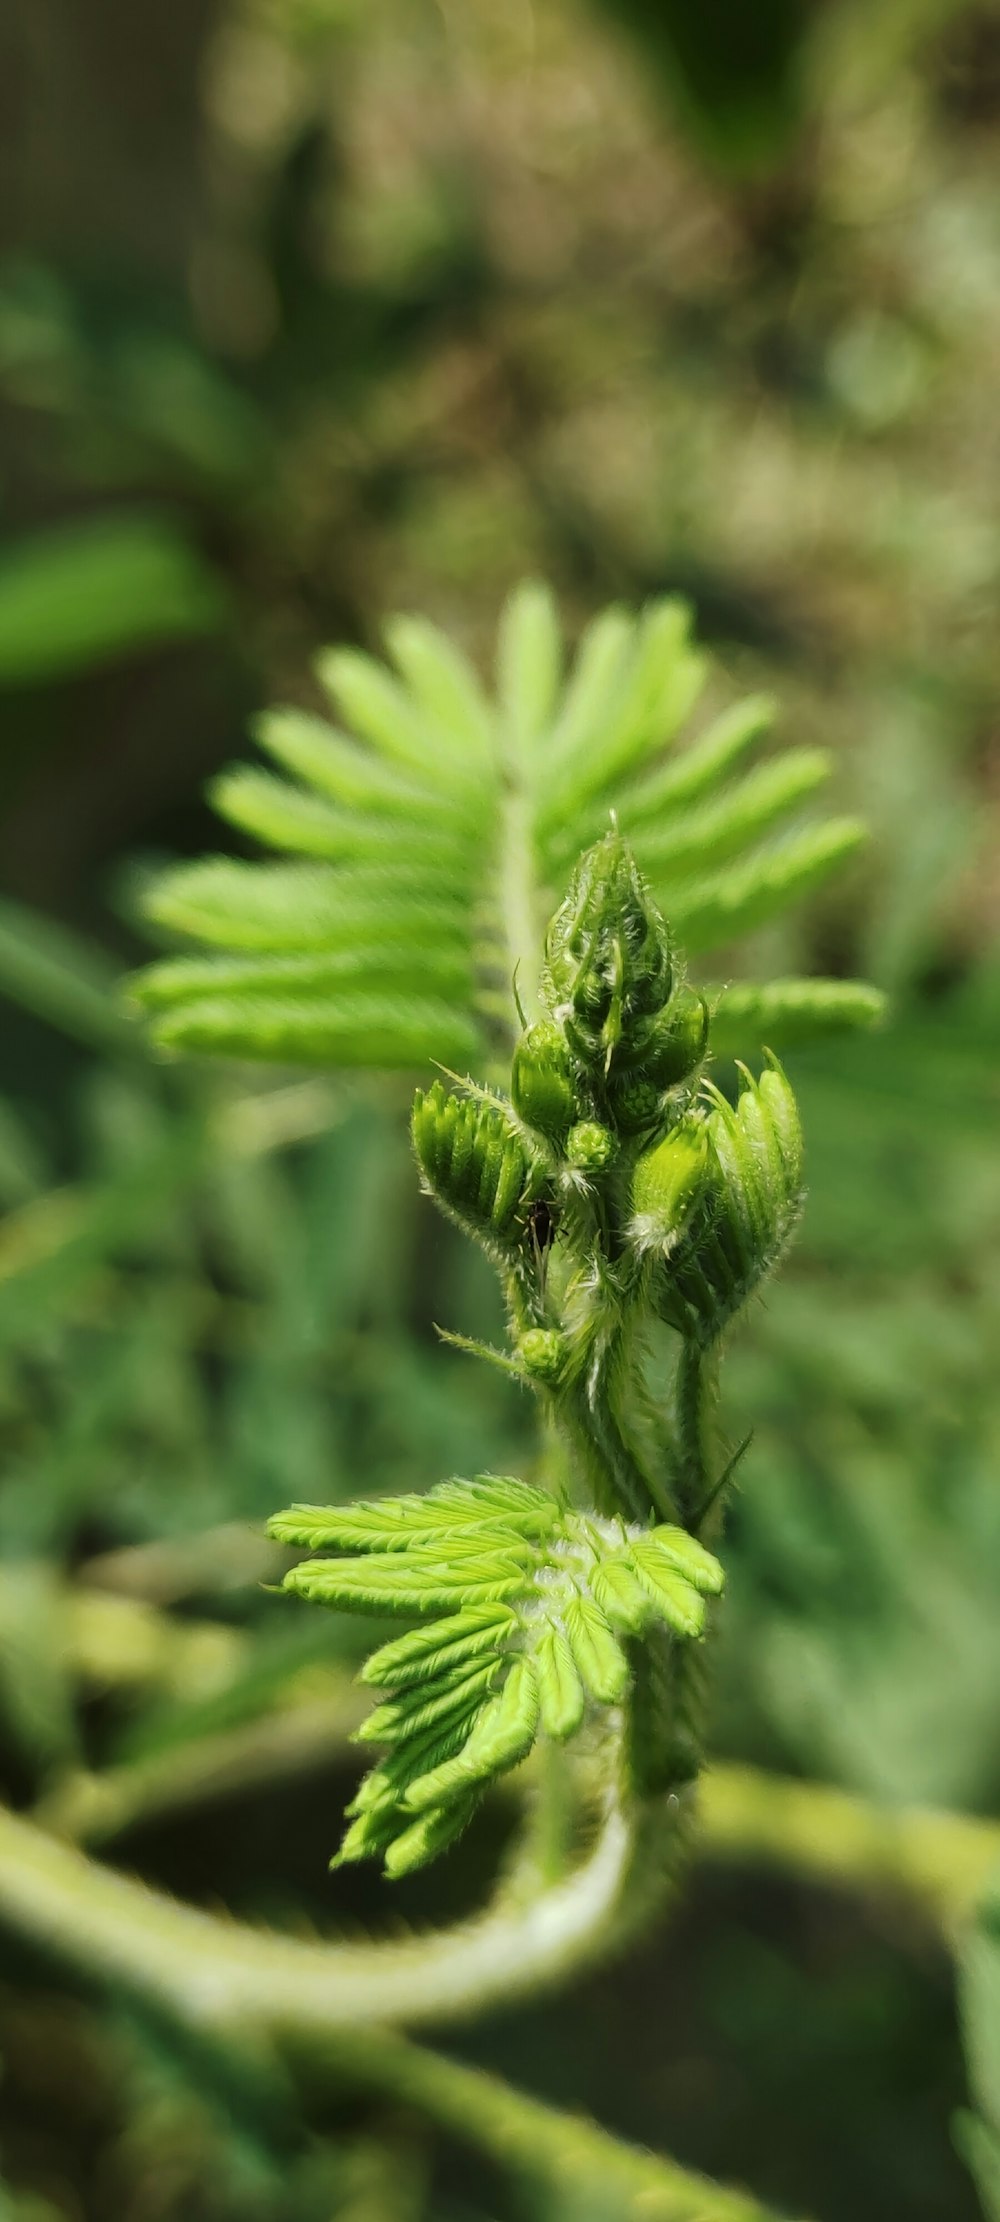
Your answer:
<point x="423" y="1652"/>
<point x="415" y="841"/>
<point x="698" y="840"/>
<point x="529" y="667"/>
<point x="783" y="1011"/>
<point x="332" y="766"/>
<point x="396" y="722"/>
<point x="424" y="1839"/>
<point x="621" y="1597"/>
<point x="697" y="771"/>
<point x="722" y="905"/>
<point x="524" y="1610"/>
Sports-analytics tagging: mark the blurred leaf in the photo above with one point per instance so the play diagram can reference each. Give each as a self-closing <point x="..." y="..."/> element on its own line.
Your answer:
<point x="23" y="1167"/>
<point x="79" y="593"/>
<point x="61" y="978"/>
<point x="26" y="2206"/>
<point x="866" y="1537"/>
<point x="51" y="1245"/>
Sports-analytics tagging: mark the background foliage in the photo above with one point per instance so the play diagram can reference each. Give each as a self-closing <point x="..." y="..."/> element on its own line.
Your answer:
<point x="335" y="311"/>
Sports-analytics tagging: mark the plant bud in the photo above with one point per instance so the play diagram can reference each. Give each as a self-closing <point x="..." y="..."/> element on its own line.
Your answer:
<point x="541" y="1084"/>
<point x="608" y="959"/>
<point x="589" y="1147"/>
<point x="677" y="1041"/>
<point x="542" y="1352"/>
<point x="665" y="1184"/>
<point x="743" y="1213"/>
<point x="471" y="1160"/>
<point x="635" y="1103"/>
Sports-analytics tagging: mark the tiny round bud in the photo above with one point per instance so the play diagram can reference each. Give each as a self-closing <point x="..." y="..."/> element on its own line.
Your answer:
<point x="589" y="1147"/>
<point x="541" y="1085"/>
<point x="665" y="1184"/>
<point x="635" y="1103"/>
<point x="542" y="1352"/>
<point x="678" y="1040"/>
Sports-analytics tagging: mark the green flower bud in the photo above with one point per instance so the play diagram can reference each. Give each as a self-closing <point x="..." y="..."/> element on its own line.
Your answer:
<point x="608" y="960"/>
<point x="634" y="1103"/>
<point x="743" y="1214"/>
<point x="542" y="1352"/>
<point x="589" y="1147"/>
<point x="677" y="1041"/>
<point x="541" y="1084"/>
<point x="471" y="1160"/>
<point x="665" y="1184"/>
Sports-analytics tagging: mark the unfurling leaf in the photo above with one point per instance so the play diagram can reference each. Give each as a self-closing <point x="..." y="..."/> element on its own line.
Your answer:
<point x="598" y="1205"/>
<point x="523" y="1604"/>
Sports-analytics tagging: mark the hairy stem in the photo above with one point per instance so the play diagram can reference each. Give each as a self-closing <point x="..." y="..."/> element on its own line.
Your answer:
<point x="227" y="1975"/>
<point x="596" y="1408"/>
<point x="600" y="1454"/>
<point x="694" y="1397"/>
<point x="214" y="1969"/>
<point x="546" y="1842"/>
<point x="665" y="1729"/>
<point x="252" y="1991"/>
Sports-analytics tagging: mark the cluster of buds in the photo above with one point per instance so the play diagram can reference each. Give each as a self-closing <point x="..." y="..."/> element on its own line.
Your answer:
<point x="613" y="1185"/>
<point x="610" y="1066"/>
<point x="607" y="1093"/>
<point x="623" y="1031"/>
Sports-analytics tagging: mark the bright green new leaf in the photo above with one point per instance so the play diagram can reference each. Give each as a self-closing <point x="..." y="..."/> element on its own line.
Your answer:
<point x="432" y="824"/>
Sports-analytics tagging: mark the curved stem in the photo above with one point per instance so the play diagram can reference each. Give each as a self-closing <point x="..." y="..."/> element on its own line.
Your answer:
<point x="224" y="1973"/>
<point x="942" y="1862"/>
<point x="93" y="1808"/>
<point x="216" y="1970"/>
<point x="544" y="1849"/>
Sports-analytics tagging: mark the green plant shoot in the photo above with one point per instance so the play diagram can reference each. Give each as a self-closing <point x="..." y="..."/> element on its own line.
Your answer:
<point x="612" y="1188"/>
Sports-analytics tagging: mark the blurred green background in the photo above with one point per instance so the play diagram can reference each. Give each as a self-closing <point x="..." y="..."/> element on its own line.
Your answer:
<point x="315" y="309"/>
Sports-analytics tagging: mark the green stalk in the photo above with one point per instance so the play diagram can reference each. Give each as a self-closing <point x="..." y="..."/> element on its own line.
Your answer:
<point x="250" y="1990"/>
<point x="694" y="1403"/>
<point x="595" y="1409"/>
<point x="577" y="2164"/>
<point x="227" y="1975"/>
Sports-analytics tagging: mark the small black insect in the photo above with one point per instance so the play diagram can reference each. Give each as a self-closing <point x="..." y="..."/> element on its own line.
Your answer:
<point x="541" y="1227"/>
